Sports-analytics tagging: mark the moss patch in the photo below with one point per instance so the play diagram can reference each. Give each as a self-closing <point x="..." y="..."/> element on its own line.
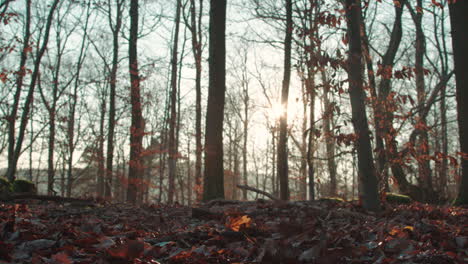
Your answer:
<point x="23" y="186"/>
<point x="5" y="185"/>
<point x="332" y="199"/>
<point x="395" y="198"/>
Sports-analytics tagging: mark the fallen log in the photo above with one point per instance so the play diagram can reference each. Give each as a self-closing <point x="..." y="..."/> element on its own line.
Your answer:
<point x="248" y="188"/>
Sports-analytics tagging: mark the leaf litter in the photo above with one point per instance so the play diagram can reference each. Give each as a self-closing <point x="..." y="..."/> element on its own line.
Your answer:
<point x="260" y="231"/>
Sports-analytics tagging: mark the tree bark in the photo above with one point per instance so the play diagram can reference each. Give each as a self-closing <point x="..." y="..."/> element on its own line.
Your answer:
<point x="135" y="171"/>
<point x="112" y="94"/>
<point x="367" y="175"/>
<point x="425" y="174"/>
<point x="100" y="150"/>
<point x="173" y="104"/>
<point x="382" y="172"/>
<point x="16" y="99"/>
<point x="282" y="156"/>
<point x="329" y="136"/>
<point x="30" y="96"/>
<point x="71" y="144"/>
<point x="459" y="20"/>
<point x="214" y="172"/>
<point x="245" y="86"/>
<point x="195" y="29"/>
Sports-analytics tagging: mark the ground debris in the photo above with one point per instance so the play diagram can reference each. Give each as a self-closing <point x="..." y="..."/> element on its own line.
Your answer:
<point x="233" y="232"/>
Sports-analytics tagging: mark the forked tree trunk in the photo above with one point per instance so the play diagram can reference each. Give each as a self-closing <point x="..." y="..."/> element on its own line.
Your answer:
<point x="30" y="95"/>
<point x="424" y="169"/>
<point x="16" y="97"/>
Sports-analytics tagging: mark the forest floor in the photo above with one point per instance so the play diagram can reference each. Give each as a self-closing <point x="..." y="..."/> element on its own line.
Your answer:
<point x="35" y="231"/>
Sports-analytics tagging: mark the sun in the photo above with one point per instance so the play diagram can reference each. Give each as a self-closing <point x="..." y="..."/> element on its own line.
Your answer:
<point x="276" y="111"/>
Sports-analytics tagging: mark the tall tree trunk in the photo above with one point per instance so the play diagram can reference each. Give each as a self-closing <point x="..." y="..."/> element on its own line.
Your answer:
<point x="135" y="171"/>
<point x="311" y="142"/>
<point x="425" y="178"/>
<point x="282" y="166"/>
<point x="52" y="114"/>
<point x="367" y="174"/>
<point x="231" y="157"/>
<point x="382" y="171"/>
<point x="74" y="101"/>
<point x="236" y="176"/>
<point x="173" y="118"/>
<point x="112" y="94"/>
<point x="274" y="176"/>
<point x="100" y="151"/>
<point x="195" y="30"/>
<point x="189" y="175"/>
<point x="245" y="122"/>
<point x="444" y="143"/>
<point x="179" y="175"/>
<point x="329" y="135"/>
<point x="52" y="109"/>
<point x="384" y="106"/>
<point x="31" y="149"/>
<point x="303" y="145"/>
<point x="459" y="20"/>
<point x="16" y="99"/>
<point x="30" y="96"/>
<point x="214" y="172"/>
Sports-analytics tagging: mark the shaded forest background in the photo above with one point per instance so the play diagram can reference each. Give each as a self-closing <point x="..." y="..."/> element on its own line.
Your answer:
<point x="70" y="111"/>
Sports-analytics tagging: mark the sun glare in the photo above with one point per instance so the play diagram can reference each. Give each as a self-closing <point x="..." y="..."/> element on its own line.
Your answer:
<point x="276" y="111"/>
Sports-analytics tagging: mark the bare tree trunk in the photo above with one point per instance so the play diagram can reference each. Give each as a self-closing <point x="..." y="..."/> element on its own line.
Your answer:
<point x="443" y="135"/>
<point x="246" y="99"/>
<point x="384" y="122"/>
<point x="173" y="118"/>
<point x="329" y="135"/>
<point x="230" y="157"/>
<point x="112" y="94"/>
<point x="189" y="176"/>
<point x="74" y="101"/>
<point x="274" y="176"/>
<point x="195" y="29"/>
<point x="214" y="172"/>
<point x="303" y="147"/>
<point x="30" y="96"/>
<point x="100" y="155"/>
<point x="382" y="171"/>
<point x="135" y="171"/>
<point x="236" y="176"/>
<point x="16" y="99"/>
<point x="52" y="111"/>
<point x="368" y="180"/>
<point x="425" y="178"/>
<point x="31" y="149"/>
<point x="459" y="20"/>
<point x="283" y="142"/>
<point x="310" y="84"/>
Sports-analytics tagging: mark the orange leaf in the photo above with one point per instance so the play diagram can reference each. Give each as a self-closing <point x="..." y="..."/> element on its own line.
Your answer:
<point x="62" y="257"/>
<point x="118" y="252"/>
<point x="236" y="223"/>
